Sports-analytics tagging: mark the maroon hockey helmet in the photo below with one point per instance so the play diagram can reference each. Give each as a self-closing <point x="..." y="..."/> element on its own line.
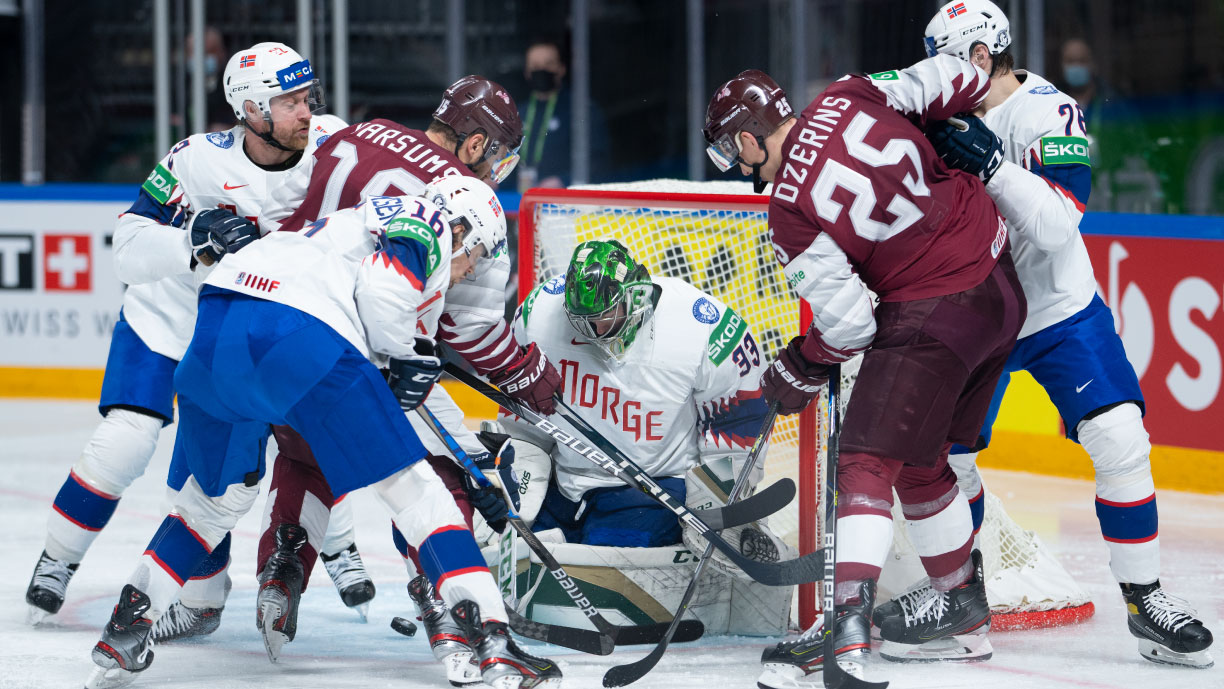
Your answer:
<point x="477" y="105"/>
<point x="751" y="102"/>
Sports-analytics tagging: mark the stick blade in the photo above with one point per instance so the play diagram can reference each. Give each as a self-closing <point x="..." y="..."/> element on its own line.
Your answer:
<point x="759" y="506"/>
<point x="585" y="640"/>
<point x="689" y="630"/>
<point x="624" y="675"/>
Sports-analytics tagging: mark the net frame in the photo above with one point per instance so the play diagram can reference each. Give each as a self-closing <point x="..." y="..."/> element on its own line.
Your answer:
<point x="675" y="195"/>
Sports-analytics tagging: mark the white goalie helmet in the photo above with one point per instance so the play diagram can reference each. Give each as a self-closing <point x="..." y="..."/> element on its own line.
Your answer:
<point x="474" y="204"/>
<point x="264" y="71"/>
<point x="959" y="24"/>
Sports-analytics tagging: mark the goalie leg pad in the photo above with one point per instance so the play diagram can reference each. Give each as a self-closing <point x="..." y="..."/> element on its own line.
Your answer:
<point x="1125" y="492"/>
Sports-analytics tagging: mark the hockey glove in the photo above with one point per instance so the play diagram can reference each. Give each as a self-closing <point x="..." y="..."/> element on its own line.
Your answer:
<point x="497" y="465"/>
<point x="966" y="143"/>
<point x="216" y="232"/>
<point x="412" y="377"/>
<point x="530" y="379"/>
<point x="791" y="380"/>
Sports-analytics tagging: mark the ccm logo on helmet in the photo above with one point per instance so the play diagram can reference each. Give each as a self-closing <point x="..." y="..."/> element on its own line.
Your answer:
<point x="294" y="74"/>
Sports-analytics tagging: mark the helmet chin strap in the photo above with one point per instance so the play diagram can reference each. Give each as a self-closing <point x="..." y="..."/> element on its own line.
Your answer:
<point x="758" y="184"/>
<point x="267" y="136"/>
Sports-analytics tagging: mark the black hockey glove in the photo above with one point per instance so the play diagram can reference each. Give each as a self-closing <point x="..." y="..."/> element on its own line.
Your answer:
<point x="497" y="465"/>
<point x="966" y="143"/>
<point x="216" y="232"/>
<point x="412" y="377"/>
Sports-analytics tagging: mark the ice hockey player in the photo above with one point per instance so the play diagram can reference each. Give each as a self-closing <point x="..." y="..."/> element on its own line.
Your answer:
<point x="862" y="202"/>
<point x="197" y="204"/>
<point x="475" y="130"/>
<point x="669" y="374"/>
<point x="1068" y="341"/>
<point x="286" y="334"/>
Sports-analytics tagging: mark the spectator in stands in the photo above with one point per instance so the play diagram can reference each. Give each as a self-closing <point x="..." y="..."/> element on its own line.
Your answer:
<point x="547" y="117"/>
<point x="220" y="116"/>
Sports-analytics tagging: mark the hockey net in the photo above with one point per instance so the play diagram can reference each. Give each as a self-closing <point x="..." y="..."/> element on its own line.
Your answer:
<point x="714" y="236"/>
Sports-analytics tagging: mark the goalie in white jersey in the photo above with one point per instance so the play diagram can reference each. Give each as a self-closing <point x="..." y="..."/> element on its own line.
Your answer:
<point x="667" y="373"/>
<point x="286" y="334"/>
<point x="1038" y="172"/>
<point x="199" y="201"/>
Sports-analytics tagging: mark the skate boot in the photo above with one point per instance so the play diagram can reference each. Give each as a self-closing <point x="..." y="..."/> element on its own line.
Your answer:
<point x="503" y="665"/>
<point x="1166" y="627"/>
<point x="798" y="663"/>
<point x="930" y="625"/>
<point x="354" y="584"/>
<point x="45" y="593"/>
<point x="126" y="646"/>
<point x="280" y="590"/>
<point x="446" y="639"/>
<point x="182" y="622"/>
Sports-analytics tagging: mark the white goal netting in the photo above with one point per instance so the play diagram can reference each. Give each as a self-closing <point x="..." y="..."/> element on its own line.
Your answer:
<point x="714" y="235"/>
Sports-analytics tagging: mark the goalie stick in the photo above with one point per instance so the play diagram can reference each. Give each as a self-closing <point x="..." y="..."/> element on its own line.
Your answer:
<point x="604" y="455"/>
<point x="833" y="675"/>
<point x="621" y="675"/>
<point x="600" y="642"/>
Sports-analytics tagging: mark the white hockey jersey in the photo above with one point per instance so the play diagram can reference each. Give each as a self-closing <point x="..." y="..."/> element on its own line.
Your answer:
<point x="152" y="252"/>
<point x="687" y="390"/>
<point x="376" y="273"/>
<point x="1041" y="189"/>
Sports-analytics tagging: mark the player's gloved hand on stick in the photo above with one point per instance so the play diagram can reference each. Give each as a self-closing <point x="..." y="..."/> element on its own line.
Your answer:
<point x="216" y="232"/>
<point x="530" y="379"/>
<point x="791" y="380"/>
<point x="497" y="465"/>
<point x="966" y="143"/>
<point x="412" y="377"/>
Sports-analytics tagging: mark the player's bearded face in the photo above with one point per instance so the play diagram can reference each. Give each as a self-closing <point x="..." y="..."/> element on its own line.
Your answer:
<point x="291" y="119"/>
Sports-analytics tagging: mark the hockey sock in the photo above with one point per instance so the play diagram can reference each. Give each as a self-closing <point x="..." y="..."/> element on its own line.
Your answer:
<point x="977" y="510"/>
<point x="864" y="520"/>
<point x="411" y="560"/>
<point x="299" y="495"/>
<point x="208" y="586"/>
<point x="939" y="522"/>
<point x="969" y="480"/>
<point x="340" y="532"/>
<point x="1125" y="492"/>
<point x="116" y="454"/>
<point x="168" y="562"/>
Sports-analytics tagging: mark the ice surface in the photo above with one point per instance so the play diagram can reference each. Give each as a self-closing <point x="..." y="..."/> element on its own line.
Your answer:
<point x="39" y="441"/>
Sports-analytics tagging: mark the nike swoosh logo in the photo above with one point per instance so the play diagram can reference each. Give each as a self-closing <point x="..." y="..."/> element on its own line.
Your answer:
<point x="574" y="341"/>
<point x="1081" y="387"/>
<point x="227" y="187"/>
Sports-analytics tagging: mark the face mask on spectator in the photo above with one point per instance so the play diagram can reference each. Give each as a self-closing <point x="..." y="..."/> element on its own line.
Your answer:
<point x="1077" y="76"/>
<point x="542" y="81"/>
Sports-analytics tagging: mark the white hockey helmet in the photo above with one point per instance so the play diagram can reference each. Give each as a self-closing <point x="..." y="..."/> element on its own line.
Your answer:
<point x="264" y="71"/>
<point x="472" y="203"/>
<point x="959" y="24"/>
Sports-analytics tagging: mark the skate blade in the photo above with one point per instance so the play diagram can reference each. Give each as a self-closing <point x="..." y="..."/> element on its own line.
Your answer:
<point x="273" y="640"/>
<point x="36" y="615"/>
<point x="1156" y="653"/>
<point x="508" y="682"/>
<point x="964" y="648"/>
<point x="363" y="611"/>
<point x="109" y="678"/>
<point x="787" y="676"/>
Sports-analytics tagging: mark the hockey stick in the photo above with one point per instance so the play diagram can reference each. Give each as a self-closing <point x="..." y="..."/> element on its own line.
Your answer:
<point x="797" y="571"/>
<point x="622" y="675"/>
<point x="833" y="675"/>
<point x="585" y="640"/>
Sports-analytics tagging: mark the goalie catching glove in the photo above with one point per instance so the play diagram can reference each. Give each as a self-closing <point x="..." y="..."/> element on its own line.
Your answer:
<point x="530" y="379"/>
<point x="791" y="380"/>
<point x="412" y="377"/>
<point x="494" y="502"/>
<point x="215" y="232"/>
<point x="966" y="143"/>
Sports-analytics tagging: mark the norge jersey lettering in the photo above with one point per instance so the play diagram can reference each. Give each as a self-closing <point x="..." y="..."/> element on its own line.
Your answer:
<point x="375" y="158"/>
<point x="153" y="255"/>
<point x="861" y="200"/>
<point x="687" y="390"/>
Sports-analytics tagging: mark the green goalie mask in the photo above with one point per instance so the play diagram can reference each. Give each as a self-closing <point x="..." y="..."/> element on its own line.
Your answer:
<point x="608" y="295"/>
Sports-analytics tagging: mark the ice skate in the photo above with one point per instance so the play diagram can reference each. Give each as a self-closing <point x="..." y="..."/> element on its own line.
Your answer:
<point x="503" y="665"/>
<point x="929" y="625"/>
<point x="126" y="646"/>
<point x="1166" y="627"/>
<point x="797" y="663"/>
<point x="446" y="639"/>
<point x="182" y="622"/>
<point x="280" y="590"/>
<point x="45" y="593"/>
<point x="349" y="573"/>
